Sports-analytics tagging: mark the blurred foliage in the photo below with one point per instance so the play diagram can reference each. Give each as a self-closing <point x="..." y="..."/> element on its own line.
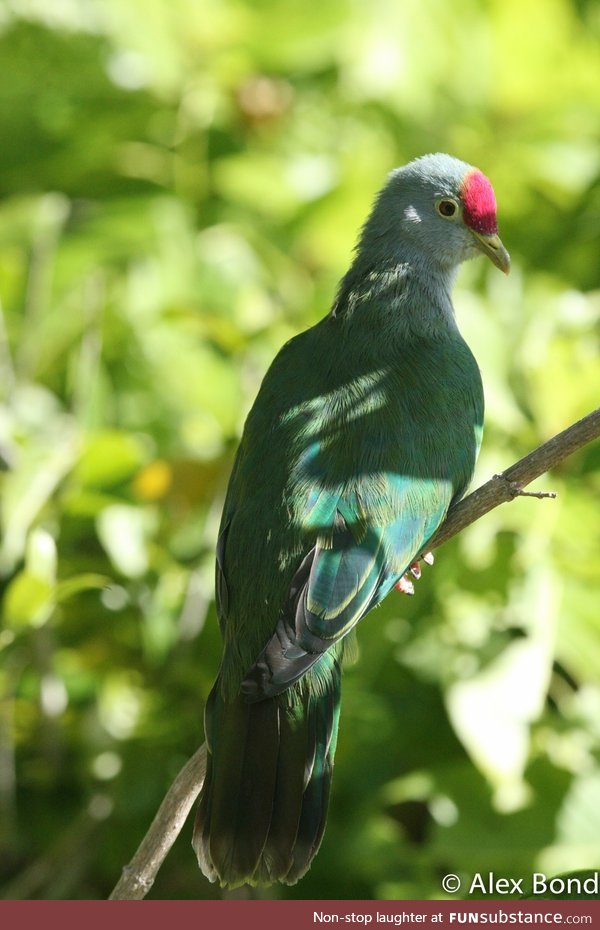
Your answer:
<point x="181" y="186"/>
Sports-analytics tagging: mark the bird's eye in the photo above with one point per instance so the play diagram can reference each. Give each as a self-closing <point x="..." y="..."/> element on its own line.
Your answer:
<point x="447" y="208"/>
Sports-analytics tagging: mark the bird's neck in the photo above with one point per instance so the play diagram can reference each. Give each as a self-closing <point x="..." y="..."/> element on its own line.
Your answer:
<point x="401" y="294"/>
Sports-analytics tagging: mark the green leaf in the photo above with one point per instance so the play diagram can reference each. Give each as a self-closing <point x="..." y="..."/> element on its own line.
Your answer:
<point x="72" y="586"/>
<point x="122" y="532"/>
<point x="29" y="601"/>
<point x="109" y="458"/>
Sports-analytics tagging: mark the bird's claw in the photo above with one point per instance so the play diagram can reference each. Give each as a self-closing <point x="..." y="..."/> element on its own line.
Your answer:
<point x="405" y="585"/>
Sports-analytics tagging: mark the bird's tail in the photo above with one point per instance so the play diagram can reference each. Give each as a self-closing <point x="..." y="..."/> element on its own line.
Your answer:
<point x="263" y="805"/>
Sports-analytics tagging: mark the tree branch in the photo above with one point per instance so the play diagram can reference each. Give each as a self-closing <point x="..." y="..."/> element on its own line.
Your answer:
<point x="507" y="486"/>
<point x="138" y="877"/>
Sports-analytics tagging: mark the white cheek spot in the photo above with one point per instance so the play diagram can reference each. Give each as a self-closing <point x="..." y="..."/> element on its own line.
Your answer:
<point x="411" y="214"/>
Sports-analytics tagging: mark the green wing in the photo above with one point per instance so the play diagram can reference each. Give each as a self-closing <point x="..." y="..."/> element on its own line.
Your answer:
<point x="342" y="578"/>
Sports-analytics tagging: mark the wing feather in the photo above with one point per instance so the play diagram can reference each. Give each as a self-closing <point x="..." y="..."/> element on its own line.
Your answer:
<point x="340" y="580"/>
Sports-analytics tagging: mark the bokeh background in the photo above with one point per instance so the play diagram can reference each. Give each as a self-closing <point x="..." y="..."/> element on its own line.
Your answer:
<point x="181" y="186"/>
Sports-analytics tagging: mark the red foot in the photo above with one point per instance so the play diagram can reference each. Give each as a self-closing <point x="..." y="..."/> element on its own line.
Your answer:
<point x="405" y="585"/>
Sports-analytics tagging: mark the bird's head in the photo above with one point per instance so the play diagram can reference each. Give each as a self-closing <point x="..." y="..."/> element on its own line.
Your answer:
<point x="442" y="208"/>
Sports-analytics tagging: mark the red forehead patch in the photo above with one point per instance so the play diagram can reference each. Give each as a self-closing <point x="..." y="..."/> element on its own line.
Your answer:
<point x="479" y="203"/>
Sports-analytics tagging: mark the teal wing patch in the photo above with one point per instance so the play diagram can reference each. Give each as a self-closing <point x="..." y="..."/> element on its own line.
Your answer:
<point x="343" y="577"/>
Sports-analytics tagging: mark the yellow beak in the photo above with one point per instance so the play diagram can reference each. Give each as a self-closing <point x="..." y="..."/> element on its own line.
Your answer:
<point x="491" y="245"/>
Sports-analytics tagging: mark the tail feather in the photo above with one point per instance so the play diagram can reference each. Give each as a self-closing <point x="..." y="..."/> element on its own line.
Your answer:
<point x="201" y="837"/>
<point x="294" y="746"/>
<point x="325" y="718"/>
<point x="263" y="805"/>
<point x="239" y="814"/>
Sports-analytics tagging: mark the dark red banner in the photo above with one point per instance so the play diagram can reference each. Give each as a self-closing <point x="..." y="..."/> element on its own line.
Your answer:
<point x="296" y="915"/>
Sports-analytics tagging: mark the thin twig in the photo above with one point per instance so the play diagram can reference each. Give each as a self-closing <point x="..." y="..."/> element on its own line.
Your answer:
<point x="540" y="495"/>
<point x="139" y="875"/>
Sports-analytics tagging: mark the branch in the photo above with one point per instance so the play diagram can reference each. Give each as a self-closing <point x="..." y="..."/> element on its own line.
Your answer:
<point x="508" y="485"/>
<point x="138" y="877"/>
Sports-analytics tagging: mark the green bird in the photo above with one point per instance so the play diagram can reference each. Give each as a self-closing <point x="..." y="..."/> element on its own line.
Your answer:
<point x="365" y="429"/>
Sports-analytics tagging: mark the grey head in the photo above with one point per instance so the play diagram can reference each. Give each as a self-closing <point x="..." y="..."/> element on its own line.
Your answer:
<point x="436" y="211"/>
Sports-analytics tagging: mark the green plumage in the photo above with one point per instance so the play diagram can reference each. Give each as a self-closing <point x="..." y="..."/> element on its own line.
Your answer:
<point x="365" y="429"/>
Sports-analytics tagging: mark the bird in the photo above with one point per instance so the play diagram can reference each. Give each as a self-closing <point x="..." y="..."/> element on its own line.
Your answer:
<point x="366" y="428"/>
